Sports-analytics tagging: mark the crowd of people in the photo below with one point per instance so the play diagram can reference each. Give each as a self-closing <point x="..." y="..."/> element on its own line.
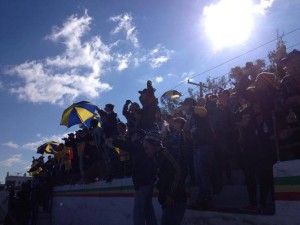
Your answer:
<point x="198" y="143"/>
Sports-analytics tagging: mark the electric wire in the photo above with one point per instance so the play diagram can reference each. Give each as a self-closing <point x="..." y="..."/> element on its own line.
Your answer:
<point x="292" y="46"/>
<point x="236" y="57"/>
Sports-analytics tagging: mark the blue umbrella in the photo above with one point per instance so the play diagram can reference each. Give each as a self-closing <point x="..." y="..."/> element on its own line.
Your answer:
<point x="87" y="123"/>
<point x="77" y="113"/>
<point x="48" y="147"/>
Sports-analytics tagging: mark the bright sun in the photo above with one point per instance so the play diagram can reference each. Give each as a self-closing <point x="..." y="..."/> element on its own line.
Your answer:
<point x="229" y="22"/>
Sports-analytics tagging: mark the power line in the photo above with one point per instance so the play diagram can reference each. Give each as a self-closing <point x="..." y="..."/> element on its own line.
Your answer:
<point x="223" y="63"/>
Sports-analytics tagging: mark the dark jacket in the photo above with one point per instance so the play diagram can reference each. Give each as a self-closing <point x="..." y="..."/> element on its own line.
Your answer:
<point x="143" y="167"/>
<point x="171" y="178"/>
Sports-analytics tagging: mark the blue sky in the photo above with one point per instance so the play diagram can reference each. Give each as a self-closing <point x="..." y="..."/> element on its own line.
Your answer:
<point x="54" y="53"/>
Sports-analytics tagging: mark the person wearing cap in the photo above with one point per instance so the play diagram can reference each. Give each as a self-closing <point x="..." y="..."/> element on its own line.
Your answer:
<point x="171" y="180"/>
<point x="143" y="177"/>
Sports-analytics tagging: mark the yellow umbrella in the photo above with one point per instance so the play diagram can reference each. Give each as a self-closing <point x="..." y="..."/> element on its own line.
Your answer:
<point x="48" y="147"/>
<point x="77" y="113"/>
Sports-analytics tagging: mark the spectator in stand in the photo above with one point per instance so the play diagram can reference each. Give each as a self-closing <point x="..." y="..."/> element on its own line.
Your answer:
<point x="223" y="132"/>
<point x="234" y="102"/>
<point x="143" y="177"/>
<point x="171" y="180"/>
<point x="213" y="110"/>
<point x="41" y="160"/>
<point x="150" y="110"/>
<point x="71" y="146"/>
<point x="109" y="130"/>
<point x="128" y="112"/>
<point x="257" y="155"/>
<point x="201" y="102"/>
<point x="176" y="144"/>
<point x="204" y="161"/>
<point x="100" y="139"/>
<point x="248" y="153"/>
<point x="49" y="165"/>
<point x="262" y="95"/>
<point x="290" y="84"/>
<point x="111" y="121"/>
<point x="121" y="163"/>
<point x="66" y="164"/>
<point x="92" y="158"/>
<point x="266" y="159"/>
<point x="58" y="156"/>
<point x="166" y="126"/>
<point x="81" y="143"/>
<point x="138" y="119"/>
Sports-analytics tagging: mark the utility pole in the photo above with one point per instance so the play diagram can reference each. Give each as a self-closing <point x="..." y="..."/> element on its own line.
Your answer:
<point x="200" y="85"/>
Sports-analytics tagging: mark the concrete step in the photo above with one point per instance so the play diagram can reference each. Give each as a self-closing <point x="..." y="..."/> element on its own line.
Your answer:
<point x="231" y="196"/>
<point x="44" y="218"/>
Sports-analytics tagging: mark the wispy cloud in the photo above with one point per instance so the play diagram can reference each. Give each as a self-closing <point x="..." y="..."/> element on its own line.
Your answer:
<point x="159" y="79"/>
<point x="12" y="160"/>
<point x="159" y="55"/>
<point x="11" y="144"/>
<point x="123" y="61"/>
<point x="78" y="69"/>
<point x="66" y="76"/>
<point x="33" y="145"/>
<point x="1" y="85"/>
<point x="187" y="76"/>
<point x="125" y="24"/>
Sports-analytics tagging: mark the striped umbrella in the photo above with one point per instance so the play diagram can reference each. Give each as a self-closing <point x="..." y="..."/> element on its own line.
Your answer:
<point x="87" y="123"/>
<point x="77" y="113"/>
<point x="171" y="94"/>
<point x="48" y="147"/>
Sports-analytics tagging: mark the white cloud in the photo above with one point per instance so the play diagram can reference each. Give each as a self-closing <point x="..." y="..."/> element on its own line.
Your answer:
<point x="14" y="159"/>
<point x="186" y="76"/>
<point x="159" y="55"/>
<point x="125" y="24"/>
<point x="11" y="144"/>
<point x="123" y="61"/>
<point x="262" y="6"/>
<point x="77" y="71"/>
<point x="159" y="79"/>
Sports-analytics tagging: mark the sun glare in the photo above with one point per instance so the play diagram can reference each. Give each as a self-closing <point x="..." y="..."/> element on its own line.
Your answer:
<point x="229" y="22"/>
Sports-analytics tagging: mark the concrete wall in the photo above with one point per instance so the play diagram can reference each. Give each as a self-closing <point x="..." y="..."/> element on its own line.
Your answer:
<point x="95" y="204"/>
<point x="111" y="204"/>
